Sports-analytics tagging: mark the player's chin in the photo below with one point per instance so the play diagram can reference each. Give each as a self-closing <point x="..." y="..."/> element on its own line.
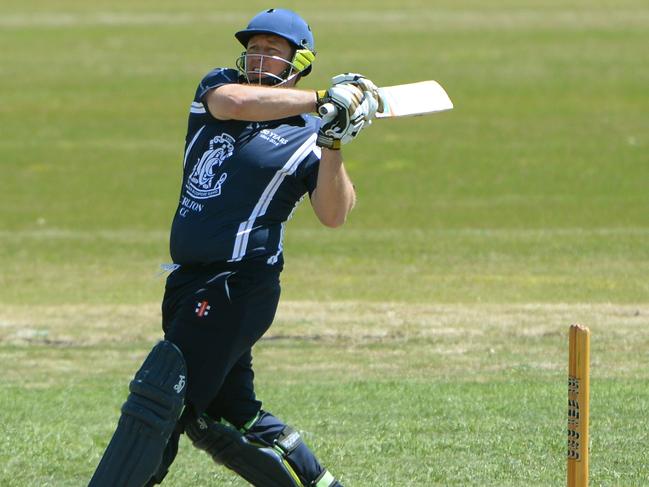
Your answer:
<point x="255" y="78"/>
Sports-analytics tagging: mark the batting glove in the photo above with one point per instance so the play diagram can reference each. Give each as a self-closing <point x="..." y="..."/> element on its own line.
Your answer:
<point x="347" y="110"/>
<point x="364" y="84"/>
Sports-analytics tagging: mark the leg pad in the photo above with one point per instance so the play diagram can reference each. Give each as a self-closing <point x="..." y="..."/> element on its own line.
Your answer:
<point x="148" y="418"/>
<point x="267" y="453"/>
<point x="260" y="465"/>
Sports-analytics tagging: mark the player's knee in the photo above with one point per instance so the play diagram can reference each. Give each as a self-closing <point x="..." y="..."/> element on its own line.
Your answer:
<point x="221" y="442"/>
<point x="157" y="392"/>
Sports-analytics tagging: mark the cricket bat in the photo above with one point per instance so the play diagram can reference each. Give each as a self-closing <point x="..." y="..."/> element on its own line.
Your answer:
<point x="406" y="100"/>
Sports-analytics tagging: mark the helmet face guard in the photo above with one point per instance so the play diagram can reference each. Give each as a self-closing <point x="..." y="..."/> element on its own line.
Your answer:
<point x="254" y="69"/>
<point x="288" y="25"/>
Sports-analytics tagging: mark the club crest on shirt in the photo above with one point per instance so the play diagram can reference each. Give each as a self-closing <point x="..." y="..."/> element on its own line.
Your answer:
<point x="203" y="182"/>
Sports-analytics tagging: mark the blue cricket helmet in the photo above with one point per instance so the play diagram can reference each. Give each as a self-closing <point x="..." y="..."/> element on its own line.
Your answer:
<point x="283" y="23"/>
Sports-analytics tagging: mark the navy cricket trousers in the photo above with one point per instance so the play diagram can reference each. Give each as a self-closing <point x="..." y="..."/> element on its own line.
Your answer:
<point x="215" y="314"/>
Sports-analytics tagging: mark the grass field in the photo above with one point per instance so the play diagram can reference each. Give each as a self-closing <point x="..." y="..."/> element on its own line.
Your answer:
<point x="424" y="343"/>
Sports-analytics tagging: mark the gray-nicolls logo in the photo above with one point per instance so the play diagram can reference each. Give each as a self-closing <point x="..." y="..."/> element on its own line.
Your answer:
<point x="202" y="424"/>
<point x="202" y="182"/>
<point x="180" y="385"/>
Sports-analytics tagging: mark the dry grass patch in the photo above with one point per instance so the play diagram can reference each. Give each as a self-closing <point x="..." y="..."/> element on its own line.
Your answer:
<point x="359" y="339"/>
<point x="348" y="321"/>
<point x="79" y="325"/>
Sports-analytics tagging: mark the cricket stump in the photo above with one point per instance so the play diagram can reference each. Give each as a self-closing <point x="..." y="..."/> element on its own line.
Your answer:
<point x="578" y="398"/>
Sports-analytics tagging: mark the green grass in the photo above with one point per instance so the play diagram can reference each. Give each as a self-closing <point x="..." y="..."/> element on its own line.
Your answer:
<point x="422" y="344"/>
<point x="440" y="395"/>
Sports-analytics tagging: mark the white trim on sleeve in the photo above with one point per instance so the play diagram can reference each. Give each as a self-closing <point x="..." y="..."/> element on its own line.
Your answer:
<point x="197" y="107"/>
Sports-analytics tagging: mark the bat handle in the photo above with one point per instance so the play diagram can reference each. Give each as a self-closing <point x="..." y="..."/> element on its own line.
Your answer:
<point x="327" y="112"/>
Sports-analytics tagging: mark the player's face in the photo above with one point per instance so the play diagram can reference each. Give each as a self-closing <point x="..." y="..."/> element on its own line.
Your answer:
<point x="267" y="53"/>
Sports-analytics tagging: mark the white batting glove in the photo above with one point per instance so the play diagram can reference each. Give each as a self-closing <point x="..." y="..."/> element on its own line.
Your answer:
<point x="364" y="84"/>
<point x="347" y="110"/>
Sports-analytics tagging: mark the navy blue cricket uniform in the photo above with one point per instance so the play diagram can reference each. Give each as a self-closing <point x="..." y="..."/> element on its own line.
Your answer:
<point x="241" y="182"/>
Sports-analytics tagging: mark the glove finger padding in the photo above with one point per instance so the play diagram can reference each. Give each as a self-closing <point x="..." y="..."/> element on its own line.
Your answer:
<point x="372" y="106"/>
<point x="355" y="110"/>
<point x="360" y="119"/>
<point x="355" y="79"/>
<point x="365" y="84"/>
<point x="347" y="124"/>
<point x="346" y="99"/>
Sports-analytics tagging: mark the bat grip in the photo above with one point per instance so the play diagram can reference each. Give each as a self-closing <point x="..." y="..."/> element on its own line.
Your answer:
<point x="327" y="112"/>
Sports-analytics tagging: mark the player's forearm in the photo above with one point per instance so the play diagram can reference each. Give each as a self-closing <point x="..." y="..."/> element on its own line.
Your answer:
<point x="258" y="103"/>
<point x="334" y="196"/>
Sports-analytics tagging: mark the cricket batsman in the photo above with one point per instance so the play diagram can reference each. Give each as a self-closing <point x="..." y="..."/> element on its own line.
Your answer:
<point x="252" y="151"/>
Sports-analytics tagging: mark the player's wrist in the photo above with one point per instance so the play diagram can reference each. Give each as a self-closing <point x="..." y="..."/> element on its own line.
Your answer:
<point x="320" y="96"/>
<point x="327" y="142"/>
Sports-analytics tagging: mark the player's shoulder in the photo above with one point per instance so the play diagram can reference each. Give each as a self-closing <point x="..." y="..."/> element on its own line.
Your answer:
<point x="215" y="78"/>
<point x="230" y="75"/>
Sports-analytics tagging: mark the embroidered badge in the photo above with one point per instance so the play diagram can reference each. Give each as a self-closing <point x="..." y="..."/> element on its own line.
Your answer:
<point x="202" y="182"/>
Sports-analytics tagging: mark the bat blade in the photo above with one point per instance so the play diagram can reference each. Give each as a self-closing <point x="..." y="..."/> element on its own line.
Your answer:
<point x="414" y="99"/>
